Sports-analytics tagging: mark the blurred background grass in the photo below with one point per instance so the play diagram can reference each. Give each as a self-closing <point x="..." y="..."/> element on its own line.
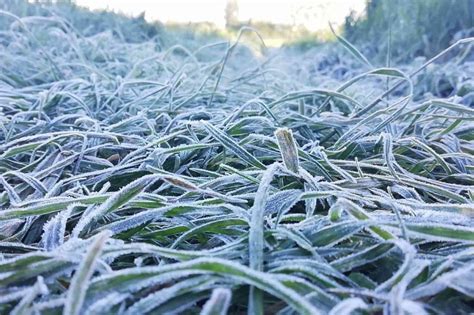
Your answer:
<point x="394" y="31"/>
<point x="410" y="28"/>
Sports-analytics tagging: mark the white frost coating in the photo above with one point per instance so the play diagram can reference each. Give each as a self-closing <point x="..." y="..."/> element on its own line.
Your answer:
<point x="55" y="229"/>
<point x="219" y="302"/>
<point x="164" y="138"/>
<point x="223" y="267"/>
<point x="348" y="306"/>
<point x="114" y="201"/>
<point x="80" y="281"/>
<point x="256" y="237"/>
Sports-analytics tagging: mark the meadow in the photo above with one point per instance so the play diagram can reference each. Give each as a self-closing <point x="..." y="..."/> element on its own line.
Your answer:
<point x="148" y="171"/>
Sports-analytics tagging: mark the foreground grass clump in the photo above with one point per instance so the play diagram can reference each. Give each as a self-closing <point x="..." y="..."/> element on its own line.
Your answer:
<point x="142" y="178"/>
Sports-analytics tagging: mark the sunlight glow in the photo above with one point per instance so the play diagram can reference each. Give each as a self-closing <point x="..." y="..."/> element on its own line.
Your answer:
<point x="313" y="14"/>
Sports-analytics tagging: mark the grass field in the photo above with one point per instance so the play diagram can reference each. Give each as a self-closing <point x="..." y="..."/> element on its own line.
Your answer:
<point x="149" y="171"/>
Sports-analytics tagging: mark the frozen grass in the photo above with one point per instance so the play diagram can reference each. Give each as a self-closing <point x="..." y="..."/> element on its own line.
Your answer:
<point x="143" y="178"/>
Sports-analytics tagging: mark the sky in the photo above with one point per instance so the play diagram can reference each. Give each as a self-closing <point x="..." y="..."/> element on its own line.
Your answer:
<point x="314" y="14"/>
